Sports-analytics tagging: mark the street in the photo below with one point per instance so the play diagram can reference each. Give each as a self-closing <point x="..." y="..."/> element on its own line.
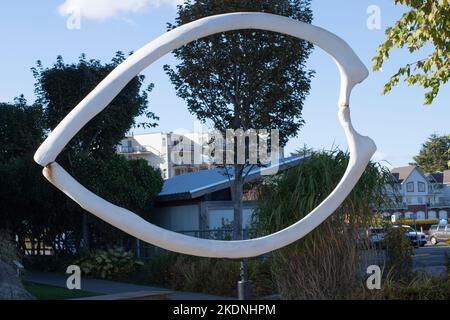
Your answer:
<point x="432" y="258"/>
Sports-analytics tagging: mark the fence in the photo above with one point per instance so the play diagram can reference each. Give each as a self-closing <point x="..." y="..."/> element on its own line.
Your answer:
<point x="145" y="251"/>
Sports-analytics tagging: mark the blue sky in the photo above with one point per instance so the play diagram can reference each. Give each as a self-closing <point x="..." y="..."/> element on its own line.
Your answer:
<point x="398" y="122"/>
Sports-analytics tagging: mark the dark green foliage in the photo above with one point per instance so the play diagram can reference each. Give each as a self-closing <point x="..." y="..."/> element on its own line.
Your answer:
<point x="21" y="128"/>
<point x="212" y="276"/>
<point x="421" y="287"/>
<point x="127" y="183"/>
<point x="399" y="254"/>
<point x="131" y="184"/>
<point x="434" y="154"/>
<point x="158" y="271"/>
<point x="60" y="88"/>
<point x="244" y="79"/>
<point x="30" y="206"/>
<point x="108" y="264"/>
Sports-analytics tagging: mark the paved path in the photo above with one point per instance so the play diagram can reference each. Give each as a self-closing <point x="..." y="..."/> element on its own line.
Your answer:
<point x="432" y="259"/>
<point x="111" y="287"/>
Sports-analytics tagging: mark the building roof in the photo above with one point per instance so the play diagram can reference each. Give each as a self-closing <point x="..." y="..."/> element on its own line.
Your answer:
<point x="196" y="184"/>
<point x="436" y="177"/>
<point x="401" y="173"/>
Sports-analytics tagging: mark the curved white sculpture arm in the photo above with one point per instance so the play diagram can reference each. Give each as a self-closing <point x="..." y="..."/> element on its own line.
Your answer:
<point x="352" y="71"/>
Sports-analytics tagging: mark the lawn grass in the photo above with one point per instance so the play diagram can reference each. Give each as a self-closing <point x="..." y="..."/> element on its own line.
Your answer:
<point x="47" y="292"/>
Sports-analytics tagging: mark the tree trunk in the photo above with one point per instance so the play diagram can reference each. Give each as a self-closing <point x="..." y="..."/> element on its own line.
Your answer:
<point x="237" y="194"/>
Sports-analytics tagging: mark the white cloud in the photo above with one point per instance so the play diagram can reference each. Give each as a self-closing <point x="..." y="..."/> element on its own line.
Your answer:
<point x="104" y="9"/>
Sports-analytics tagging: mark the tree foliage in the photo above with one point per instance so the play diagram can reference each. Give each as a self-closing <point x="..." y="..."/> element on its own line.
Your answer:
<point x="61" y="87"/>
<point x="20" y="128"/>
<point x="245" y="79"/>
<point x="434" y="154"/>
<point x="29" y="205"/>
<point x="426" y="24"/>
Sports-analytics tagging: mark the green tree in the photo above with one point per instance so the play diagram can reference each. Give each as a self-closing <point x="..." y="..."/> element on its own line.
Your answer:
<point x="29" y="206"/>
<point x="434" y="154"/>
<point x="425" y="25"/>
<point x="61" y="87"/>
<point x="21" y="128"/>
<point x="131" y="184"/>
<point x="247" y="79"/>
<point x="32" y="207"/>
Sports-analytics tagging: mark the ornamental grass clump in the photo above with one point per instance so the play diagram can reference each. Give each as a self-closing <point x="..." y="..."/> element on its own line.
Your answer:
<point x="330" y="262"/>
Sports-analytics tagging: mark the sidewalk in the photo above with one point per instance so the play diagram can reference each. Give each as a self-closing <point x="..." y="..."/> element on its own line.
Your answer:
<point x="112" y="287"/>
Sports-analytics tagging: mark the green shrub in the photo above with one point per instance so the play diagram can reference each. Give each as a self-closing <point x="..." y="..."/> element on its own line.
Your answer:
<point x="398" y="253"/>
<point x="156" y="271"/>
<point x="421" y="287"/>
<point x="213" y="276"/>
<point x="220" y="276"/>
<point x="109" y="264"/>
<point x="8" y="248"/>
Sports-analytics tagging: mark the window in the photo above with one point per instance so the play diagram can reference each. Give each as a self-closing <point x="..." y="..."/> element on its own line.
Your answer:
<point x="421" y="186"/>
<point x="410" y="187"/>
<point x="420" y="200"/>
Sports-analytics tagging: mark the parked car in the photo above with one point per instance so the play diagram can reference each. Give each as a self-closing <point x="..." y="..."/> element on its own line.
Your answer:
<point x="439" y="233"/>
<point x="377" y="235"/>
<point x="417" y="238"/>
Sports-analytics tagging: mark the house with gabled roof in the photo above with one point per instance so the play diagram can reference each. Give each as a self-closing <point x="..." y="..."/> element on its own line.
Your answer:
<point x="421" y="195"/>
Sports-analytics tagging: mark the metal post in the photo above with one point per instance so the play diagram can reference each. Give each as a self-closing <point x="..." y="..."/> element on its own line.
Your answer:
<point x="244" y="285"/>
<point x="138" y="248"/>
<point x="415" y="228"/>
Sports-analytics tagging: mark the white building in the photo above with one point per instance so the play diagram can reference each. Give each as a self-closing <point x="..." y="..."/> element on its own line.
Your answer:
<point x="163" y="150"/>
<point x="421" y="195"/>
<point x="179" y="153"/>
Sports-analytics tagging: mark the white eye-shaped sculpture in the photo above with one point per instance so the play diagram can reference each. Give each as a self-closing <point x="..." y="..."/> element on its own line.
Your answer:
<point x="352" y="71"/>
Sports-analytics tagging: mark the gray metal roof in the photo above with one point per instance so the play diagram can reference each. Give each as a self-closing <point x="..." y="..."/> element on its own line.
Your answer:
<point x="196" y="184"/>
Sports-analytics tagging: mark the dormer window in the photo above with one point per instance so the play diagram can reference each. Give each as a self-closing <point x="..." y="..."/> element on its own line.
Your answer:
<point x="410" y="187"/>
<point x="421" y="186"/>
